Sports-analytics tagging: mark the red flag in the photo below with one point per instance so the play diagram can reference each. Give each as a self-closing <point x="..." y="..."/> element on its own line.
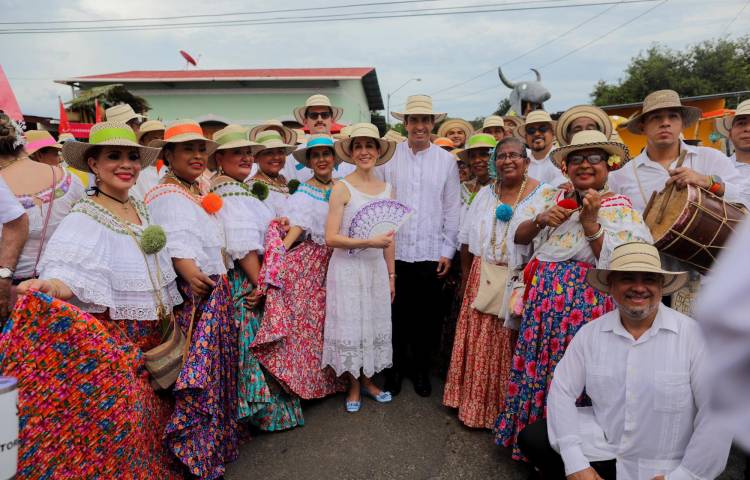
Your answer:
<point x="8" y="102"/>
<point x="98" y="111"/>
<point x="64" y="123"/>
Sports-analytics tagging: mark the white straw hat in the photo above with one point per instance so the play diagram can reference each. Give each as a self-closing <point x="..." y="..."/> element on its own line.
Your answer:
<point x="419" y="105"/>
<point x="537" y="116"/>
<point x="269" y="139"/>
<point x="724" y="124"/>
<point x="493" y="121"/>
<point x="150" y="126"/>
<point x="318" y="140"/>
<point x="452" y="123"/>
<point x="122" y="113"/>
<point x="589" y="139"/>
<point x="659" y="100"/>
<point x="636" y="257"/>
<point x="596" y="114"/>
<point x="317" y="101"/>
<point x="343" y="148"/>
<point x="113" y="134"/>
<point x="290" y="136"/>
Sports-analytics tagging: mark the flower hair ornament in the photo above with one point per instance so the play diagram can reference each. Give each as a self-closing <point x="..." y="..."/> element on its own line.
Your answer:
<point x="19" y="127"/>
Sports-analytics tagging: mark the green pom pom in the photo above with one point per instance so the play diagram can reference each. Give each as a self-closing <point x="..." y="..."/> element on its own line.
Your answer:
<point x="153" y="239"/>
<point x="293" y="185"/>
<point x="260" y="190"/>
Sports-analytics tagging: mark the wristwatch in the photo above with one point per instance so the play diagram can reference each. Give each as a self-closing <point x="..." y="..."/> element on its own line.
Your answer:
<point x="6" y="273"/>
<point x="715" y="185"/>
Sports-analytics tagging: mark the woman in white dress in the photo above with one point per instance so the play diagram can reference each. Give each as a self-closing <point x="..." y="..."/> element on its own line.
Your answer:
<point x="270" y="158"/>
<point x="360" y="286"/>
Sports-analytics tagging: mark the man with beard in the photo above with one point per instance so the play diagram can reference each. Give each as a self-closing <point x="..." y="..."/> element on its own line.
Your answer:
<point x="538" y="133"/>
<point x="424" y="177"/>
<point x="644" y="367"/>
<point x="317" y="115"/>
<point x="661" y="120"/>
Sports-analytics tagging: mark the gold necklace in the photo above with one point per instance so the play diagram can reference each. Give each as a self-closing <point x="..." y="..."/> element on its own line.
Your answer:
<point x="279" y="182"/>
<point x="192" y="188"/>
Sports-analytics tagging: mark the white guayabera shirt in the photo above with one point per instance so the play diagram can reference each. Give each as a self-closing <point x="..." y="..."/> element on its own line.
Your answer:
<point x="650" y="401"/>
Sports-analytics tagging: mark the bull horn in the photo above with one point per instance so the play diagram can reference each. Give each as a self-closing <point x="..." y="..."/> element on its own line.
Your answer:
<point x="538" y="76"/>
<point x="505" y="81"/>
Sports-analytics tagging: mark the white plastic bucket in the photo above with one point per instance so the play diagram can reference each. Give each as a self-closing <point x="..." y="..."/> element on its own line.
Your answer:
<point x="9" y="442"/>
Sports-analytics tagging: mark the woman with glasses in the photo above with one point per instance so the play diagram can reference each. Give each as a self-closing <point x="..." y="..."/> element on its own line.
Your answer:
<point x="483" y="347"/>
<point x="571" y="233"/>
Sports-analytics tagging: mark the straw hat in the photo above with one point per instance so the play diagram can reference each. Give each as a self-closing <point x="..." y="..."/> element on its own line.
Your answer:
<point x="480" y="140"/>
<point x="122" y="113"/>
<point x="537" y="116"/>
<point x="588" y="139"/>
<point x="319" y="140"/>
<point x="492" y="121"/>
<point x="231" y="136"/>
<point x="114" y="134"/>
<point x="452" y="123"/>
<point x="300" y="136"/>
<point x="181" y="131"/>
<point x="269" y="139"/>
<point x="290" y="136"/>
<point x="456" y="152"/>
<point x="419" y="105"/>
<point x="659" y="100"/>
<point x="580" y="111"/>
<point x="39" y="139"/>
<point x="443" y="142"/>
<point x="317" y="101"/>
<point x="724" y="124"/>
<point x="343" y="148"/>
<point x="150" y="126"/>
<point x="394" y="136"/>
<point x="66" y="137"/>
<point x="636" y="257"/>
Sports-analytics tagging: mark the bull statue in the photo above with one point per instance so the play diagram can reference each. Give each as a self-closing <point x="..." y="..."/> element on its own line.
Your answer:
<point x="526" y="96"/>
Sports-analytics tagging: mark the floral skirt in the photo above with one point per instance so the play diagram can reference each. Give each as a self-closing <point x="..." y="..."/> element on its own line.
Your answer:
<point x="203" y="431"/>
<point x="289" y="343"/>
<point x="86" y="409"/>
<point x="480" y="364"/>
<point x="559" y="303"/>
<point x="262" y="400"/>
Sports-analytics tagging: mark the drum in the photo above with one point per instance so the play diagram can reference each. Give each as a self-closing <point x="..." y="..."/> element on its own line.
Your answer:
<point x="695" y="224"/>
<point x="9" y="442"/>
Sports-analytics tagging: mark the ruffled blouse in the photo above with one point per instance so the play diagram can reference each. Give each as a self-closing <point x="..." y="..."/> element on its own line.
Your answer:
<point x="277" y="196"/>
<point x="476" y="231"/>
<point x="67" y="192"/>
<point x="308" y="210"/>
<point x="191" y="232"/>
<point x="94" y="255"/>
<point x="621" y="222"/>
<point x="243" y="217"/>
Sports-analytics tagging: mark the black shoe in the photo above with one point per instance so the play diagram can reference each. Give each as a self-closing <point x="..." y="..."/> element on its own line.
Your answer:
<point x="393" y="381"/>
<point x="422" y="385"/>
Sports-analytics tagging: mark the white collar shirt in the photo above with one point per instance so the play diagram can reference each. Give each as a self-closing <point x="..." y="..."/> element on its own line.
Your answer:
<point x="544" y="171"/>
<point x="10" y="207"/>
<point x="650" y="401"/>
<point x="652" y="177"/>
<point x="428" y="182"/>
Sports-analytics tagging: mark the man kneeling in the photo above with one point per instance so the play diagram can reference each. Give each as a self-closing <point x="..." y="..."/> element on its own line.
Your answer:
<point x="644" y="368"/>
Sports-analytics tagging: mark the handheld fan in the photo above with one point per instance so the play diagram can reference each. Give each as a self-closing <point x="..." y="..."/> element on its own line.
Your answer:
<point x="377" y="218"/>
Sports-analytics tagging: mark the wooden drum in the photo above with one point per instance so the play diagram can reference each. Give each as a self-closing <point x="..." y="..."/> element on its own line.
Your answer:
<point x="694" y="226"/>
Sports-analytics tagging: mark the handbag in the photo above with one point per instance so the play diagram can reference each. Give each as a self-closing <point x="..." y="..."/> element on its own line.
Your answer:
<point x="164" y="362"/>
<point x="493" y="279"/>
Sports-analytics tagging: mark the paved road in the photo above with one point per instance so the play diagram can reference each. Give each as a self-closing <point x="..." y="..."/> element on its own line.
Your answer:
<point x="410" y="438"/>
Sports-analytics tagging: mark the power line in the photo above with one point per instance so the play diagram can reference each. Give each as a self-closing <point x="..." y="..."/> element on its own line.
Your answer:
<point x="307" y="19"/>
<point x="530" y="51"/>
<point x="726" y="29"/>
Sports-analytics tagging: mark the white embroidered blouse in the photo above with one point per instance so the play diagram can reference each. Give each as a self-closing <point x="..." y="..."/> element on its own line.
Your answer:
<point x="243" y="217"/>
<point x="308" y="210"/>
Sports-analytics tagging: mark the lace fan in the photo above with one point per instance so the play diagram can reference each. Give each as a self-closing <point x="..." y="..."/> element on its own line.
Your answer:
<point x="378" y="217"/>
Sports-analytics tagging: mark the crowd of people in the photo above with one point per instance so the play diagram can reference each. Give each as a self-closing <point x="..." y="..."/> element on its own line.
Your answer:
<point x="168" y="294"/>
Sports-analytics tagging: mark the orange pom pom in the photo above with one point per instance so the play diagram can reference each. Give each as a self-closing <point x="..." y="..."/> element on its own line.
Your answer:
<point x="159" y="165"/>
<point x="212" y="203"/>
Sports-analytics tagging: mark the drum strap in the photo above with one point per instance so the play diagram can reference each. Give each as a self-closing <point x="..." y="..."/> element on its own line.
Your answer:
<point x="638" y="179"/>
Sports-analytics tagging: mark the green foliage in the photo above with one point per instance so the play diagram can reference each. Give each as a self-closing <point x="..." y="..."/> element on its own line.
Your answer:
<point x="108" y="96"/>
<point x="713" y="66"/>
<point x="502" y="107"/>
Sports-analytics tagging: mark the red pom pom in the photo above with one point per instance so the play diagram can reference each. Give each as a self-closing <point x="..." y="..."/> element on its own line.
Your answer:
<point x="212" y="203"/>
<point x="159" y="165"/>
<point x="568" y="203"/>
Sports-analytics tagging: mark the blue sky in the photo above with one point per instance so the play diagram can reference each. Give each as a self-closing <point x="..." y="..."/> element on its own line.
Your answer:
<point x="441" y="50"/>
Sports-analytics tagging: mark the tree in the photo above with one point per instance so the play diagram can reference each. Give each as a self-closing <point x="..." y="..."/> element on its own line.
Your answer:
<point x="108" y="96"/>
<point x="713" y="66"/>
<point x="502" y="107"/>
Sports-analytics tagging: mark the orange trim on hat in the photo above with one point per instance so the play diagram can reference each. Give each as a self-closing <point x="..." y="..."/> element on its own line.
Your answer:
<point x="181" y="130"/>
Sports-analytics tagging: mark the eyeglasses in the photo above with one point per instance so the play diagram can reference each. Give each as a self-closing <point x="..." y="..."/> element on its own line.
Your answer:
<point x="317" y="115"/>
<point x="592" y="158"/>
<point x="540" y="129"/>
<point x="511" y="156"/>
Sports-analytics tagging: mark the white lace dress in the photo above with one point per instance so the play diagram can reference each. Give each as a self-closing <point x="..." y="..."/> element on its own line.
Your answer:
<point x="357" y="335"/>
<point x="94" y="255"/>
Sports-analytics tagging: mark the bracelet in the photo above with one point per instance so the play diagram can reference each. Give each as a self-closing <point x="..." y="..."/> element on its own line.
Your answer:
<point x="391" y="275"/>
<point x="595" y="236"/>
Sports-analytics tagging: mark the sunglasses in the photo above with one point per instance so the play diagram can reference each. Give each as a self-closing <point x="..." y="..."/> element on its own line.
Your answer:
<point x="317" y="115"/>
<point x="540" y="129"/>
<point x="593" y="159"/>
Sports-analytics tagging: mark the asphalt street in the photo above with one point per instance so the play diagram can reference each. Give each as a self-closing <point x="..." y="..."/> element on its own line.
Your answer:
<point x="409" y="438"/>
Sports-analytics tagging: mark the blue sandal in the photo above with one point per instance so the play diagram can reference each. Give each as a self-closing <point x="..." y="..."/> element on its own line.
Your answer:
<point x="382" y="397"/>
<point x="353" y="407"/>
